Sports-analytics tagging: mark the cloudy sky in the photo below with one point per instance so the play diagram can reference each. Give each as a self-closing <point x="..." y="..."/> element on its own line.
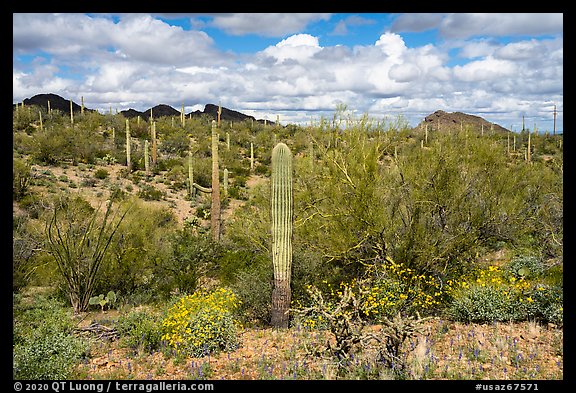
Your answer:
<point x="500" y="66"/>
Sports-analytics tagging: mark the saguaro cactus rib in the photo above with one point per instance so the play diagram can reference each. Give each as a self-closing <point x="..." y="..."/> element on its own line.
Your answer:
<point x="282" y="216"/>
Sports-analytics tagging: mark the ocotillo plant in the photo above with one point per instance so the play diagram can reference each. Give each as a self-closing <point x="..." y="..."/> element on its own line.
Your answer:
<point x="215" y="209"/>
<point x="282" y="215"/>
<point x="128" y="162"/>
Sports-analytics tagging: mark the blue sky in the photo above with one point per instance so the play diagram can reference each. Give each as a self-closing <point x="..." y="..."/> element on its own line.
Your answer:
<point x="299" y="66"/>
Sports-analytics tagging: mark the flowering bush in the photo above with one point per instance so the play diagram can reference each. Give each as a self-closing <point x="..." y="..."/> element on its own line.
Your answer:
<point x="202" y="323"/>
<point x="496" y="294"/>
<point x="484" y="295"/>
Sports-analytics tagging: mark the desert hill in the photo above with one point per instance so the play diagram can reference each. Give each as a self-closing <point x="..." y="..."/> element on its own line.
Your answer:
<point x="441" y="120"/>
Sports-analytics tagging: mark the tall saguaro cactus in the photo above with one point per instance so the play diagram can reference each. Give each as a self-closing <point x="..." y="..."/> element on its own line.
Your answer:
<point x="215" y="208"/>
<point x="282" y="215"/>
<point x="191" y="175"/>
<point x="154" y="148"/>
<point x="146" y="160"/>
<point x="128" y="162"/>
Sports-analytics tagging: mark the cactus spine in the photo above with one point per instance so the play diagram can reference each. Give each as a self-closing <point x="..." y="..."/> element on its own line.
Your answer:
<point x="282" y="215"/>
<point x="215" y="208"/>
<point x="128" y="162"/>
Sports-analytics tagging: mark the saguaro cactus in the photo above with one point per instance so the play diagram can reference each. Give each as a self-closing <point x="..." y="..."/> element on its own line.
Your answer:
<point x="154" y="149"/>
<point x="225" y="182"/>
<point x="190" y="175"/>
<point x="146" y="160"/>
<point x="215" y="208"/>
<point x="128" y="162"/>
<point x="282" y="215"/>
<point x="251" y="156"/>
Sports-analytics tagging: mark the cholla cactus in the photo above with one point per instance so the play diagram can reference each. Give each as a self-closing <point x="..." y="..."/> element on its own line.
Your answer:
<point x="282" y="215"/>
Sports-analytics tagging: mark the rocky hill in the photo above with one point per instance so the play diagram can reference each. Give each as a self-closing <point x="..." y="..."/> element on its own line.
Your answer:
<point x="62" y="104"/>
<point x="56" y="103"/>
<point x="441" y="120"/>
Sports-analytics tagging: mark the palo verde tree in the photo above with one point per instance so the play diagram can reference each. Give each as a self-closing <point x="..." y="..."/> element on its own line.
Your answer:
<point x="78" y="238"/>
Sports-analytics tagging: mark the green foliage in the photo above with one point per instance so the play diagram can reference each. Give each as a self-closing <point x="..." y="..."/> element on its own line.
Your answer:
<point x="78" y="237"/>
<point x="496" y="294"/>
<point x="483" y="305"/>
<point x="190" y="257"/>
<point x="21" y="178"/>
<point x="253" y="286"/>
<point x="526" y="266"/>
<point x="202" y="323"/>
<point x="150" y="193"/>
<point x="44" y="346"/>
<point x="102" y="300"/>
<point x="101" y="173"/>
<point x="140" y="330"/>
<point x="134" y="266"/>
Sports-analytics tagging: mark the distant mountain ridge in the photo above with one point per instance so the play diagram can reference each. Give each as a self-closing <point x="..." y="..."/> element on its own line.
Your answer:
<point x="438" y="120"/>
<point x="59" y="103"/>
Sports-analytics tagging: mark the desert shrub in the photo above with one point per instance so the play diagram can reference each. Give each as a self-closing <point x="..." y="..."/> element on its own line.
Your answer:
<point x="132" y="266"/>
<point x="88" y="182"/>
<point x="253" y="286"/>
<point x="527" y="266"/>
<point x="26" y="244"/>
<point x="482" y="305"/>
<point x="21" y="177"/>
<point x="140" y="330"/>
<point x="101" y="173"/>
<point x="496" y="294"/>
<point x="150" y="193"/>
<point x="44" y="346"/>
<point x="202" y="323"/>
<point x="32" y="203"/>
